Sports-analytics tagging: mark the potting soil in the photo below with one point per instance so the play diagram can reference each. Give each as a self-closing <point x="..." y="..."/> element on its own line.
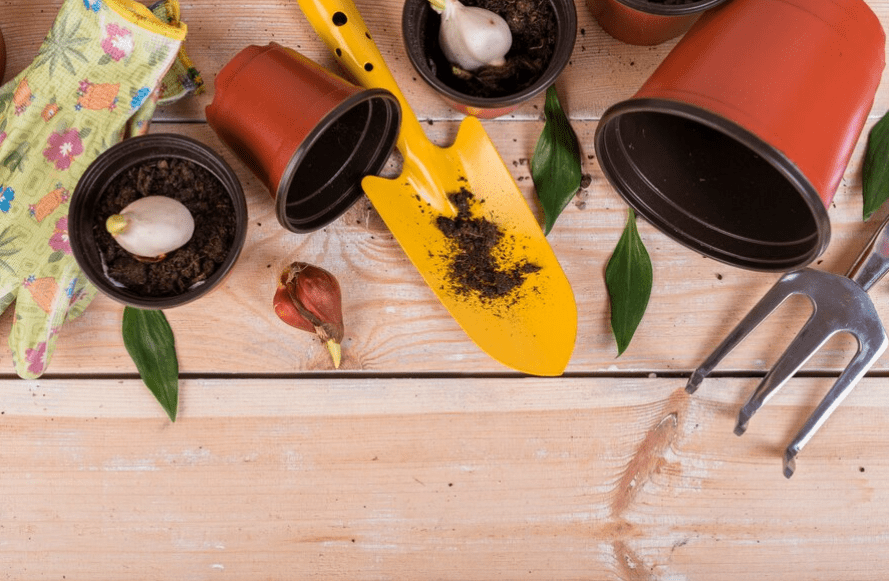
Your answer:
<point x="210" y="206"/>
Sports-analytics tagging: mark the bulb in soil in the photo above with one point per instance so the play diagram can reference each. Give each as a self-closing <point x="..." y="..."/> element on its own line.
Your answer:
<point x="472" y="37"/>
<point x="151" y="227"/>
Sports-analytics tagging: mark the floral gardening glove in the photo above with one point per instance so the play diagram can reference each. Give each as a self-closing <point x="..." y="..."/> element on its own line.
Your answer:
<point x="90" y="85"/>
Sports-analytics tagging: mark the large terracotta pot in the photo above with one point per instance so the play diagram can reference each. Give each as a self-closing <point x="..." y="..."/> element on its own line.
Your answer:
<point x="646" y="23"/>
<point x="306" y="133"/>
<point x="419" y="27"/>
<point x="738" y="141"/>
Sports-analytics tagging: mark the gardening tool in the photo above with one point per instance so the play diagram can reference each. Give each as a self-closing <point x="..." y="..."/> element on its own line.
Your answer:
<point x="532" y="329"/>
<point x="840" y="304"/>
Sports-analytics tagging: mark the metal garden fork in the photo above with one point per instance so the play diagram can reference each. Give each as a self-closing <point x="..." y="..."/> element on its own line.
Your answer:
<point x="840" y="304"/>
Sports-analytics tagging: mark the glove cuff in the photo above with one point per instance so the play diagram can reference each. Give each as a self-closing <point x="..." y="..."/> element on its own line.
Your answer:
<point x="141" y="16"/>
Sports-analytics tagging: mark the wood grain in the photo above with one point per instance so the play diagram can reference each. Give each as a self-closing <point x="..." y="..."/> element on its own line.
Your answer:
<point x="494" y="479"/>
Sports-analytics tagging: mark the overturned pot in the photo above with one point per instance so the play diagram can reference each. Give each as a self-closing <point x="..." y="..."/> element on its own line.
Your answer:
<point x="165" y="165"/>
<point x="306" y="133"/>
<point x="738" y="141"/>
<point x="648" y="22"/>
<point x="474" y="95"/>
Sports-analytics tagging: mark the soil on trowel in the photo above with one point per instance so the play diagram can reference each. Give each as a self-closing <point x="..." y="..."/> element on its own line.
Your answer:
<point x="210" y="206"/>
<point x="533" y="25"/>
<point x="474" y="268"/>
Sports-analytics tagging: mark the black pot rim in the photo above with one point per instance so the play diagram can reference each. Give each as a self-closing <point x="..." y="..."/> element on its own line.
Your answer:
<point x="567" y="24"/>
<point x="652" y="205"/>
<point x="389" y="111"/>
<point x="670" y="9"/>
<point x="106" y="167"/>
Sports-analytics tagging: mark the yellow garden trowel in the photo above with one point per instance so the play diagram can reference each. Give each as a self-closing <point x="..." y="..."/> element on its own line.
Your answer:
<point x="522" y="313"/>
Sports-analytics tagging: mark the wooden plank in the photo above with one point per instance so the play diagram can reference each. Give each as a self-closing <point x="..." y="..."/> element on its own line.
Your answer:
<point x="399" y="479"/>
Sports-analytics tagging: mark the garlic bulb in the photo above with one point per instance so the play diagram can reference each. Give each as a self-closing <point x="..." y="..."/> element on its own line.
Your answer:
<point x="472" y="37"/>
<point x="151" y="227"/>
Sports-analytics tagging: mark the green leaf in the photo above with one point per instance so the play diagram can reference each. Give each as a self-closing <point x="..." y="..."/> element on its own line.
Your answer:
<point x="555" y="165"/>
<point x="875" y="173"/>
<point x="149" y="341"/>
<point x="628" y="277"/>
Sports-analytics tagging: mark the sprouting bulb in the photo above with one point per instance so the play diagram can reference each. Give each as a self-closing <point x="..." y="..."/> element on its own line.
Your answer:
<point x="472" y="37"/>
<point x="152" y="226"/>
<point x="309" y="298"/>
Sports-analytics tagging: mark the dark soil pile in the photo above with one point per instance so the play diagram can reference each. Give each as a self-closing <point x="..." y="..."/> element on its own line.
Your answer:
<point x="210" y="206"/>
<point x="474" y="268"/>
<point x="533" y="25"/>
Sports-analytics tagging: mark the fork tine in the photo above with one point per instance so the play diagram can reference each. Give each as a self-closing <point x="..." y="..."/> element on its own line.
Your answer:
<point x="867" y="355"/>
<point x="810" y="338"/>
<point x="780" y="291"/>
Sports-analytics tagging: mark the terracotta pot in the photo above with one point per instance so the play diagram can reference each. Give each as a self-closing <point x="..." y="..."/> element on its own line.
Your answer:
<point x="420" y="25"/>
<point x="738" y="141"/>
<point x="91" y="188"/>
<point x="306" y="133"/>
<point x="646" y="23"/>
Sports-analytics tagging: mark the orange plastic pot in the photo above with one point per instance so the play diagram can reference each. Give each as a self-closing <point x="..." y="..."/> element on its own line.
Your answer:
<point x="306" y="133"/>
<point x="737" y="143"/>
<point x="647" y="23"/>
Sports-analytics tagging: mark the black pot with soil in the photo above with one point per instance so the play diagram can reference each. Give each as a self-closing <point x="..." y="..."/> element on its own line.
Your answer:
<point x="158" y="165"/>
<point x="543" y="32"/>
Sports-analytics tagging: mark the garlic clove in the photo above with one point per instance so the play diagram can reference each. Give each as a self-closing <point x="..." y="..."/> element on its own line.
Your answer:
<point x="151" y="227"/>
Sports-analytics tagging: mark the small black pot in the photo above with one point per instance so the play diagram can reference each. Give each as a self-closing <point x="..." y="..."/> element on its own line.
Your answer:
<point x="103" y="171"/>
<point x="420" y="25"/>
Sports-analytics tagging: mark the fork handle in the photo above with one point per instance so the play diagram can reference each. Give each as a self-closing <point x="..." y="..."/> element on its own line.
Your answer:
<point x="873" y="262"/>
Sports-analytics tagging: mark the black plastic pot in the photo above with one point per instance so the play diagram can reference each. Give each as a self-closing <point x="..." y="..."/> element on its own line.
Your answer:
<point x="420" y="25"/>
<point x="92" y="187"/>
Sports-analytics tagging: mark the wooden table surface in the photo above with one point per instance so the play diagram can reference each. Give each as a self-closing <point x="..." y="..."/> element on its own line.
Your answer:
<point x="422" y="458"/>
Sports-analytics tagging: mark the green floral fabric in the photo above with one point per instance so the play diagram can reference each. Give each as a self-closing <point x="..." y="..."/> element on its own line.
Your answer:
<point x="94" y="81"/>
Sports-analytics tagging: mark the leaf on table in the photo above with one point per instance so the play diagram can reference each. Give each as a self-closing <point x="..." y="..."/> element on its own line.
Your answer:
<point x="628" y="277"/>
<point x="875" y="173"/>
<point x="149" y="341"/>
<point x="555" y="165"/>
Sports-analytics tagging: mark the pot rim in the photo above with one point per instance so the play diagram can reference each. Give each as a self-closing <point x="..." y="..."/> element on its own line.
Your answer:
<point x="133" y="151"/>
<point x="349" y="196"/>
<point x="565" y="21"/>
<point x="609" y="156"/>
<point x="670" y="9"/>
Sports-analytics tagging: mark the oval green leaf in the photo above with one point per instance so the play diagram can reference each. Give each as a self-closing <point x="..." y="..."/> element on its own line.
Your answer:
<point x="148" y="339"/>
<point x="875" y="173"/>
<point x="555" y="165"/>
<point x="628" y="277"/>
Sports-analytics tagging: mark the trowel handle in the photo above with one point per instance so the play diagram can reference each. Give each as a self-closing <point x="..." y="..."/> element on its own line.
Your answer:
<point x="340" y="26"/>
<point x="873" y="262"/>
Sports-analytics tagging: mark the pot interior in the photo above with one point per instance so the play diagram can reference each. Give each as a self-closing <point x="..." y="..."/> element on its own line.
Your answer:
<point x="323" y="178"/>
<point x="712" y="186"/>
